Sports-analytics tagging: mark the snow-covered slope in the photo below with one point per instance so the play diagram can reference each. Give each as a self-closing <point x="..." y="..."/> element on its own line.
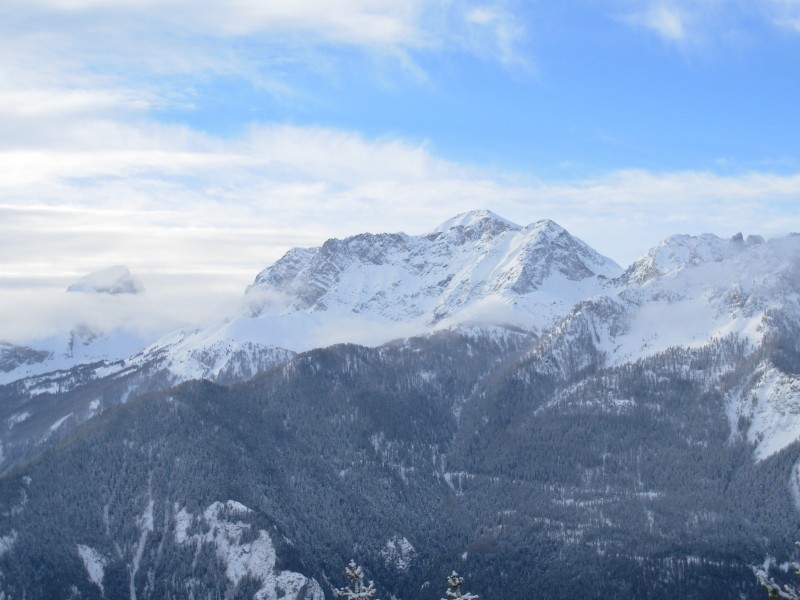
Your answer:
<point x="476" y="267"/>
<point x="78" y="346"/>
<point x="215" y="354"/>
<point x="100" y="323"/>
<point x="689" y="290"/>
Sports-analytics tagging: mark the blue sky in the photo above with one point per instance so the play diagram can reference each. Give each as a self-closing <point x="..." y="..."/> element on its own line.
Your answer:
<point x="195" y="141"/>
<point x="586" y="91"/>
<point x="587" y="86"/>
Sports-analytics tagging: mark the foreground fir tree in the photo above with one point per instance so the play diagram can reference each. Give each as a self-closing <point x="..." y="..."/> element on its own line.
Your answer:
<point x="454" y="591"/>
<point x="358" y="591"/>
<point x="774" y="590"/>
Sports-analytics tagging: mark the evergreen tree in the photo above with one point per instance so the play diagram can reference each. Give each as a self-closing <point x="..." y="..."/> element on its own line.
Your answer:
<point x="454" y="591"/>
<point x="359" y="591"/>
<point x="774" y="590"/>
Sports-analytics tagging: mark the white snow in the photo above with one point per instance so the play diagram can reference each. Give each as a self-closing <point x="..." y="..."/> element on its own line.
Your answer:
<point x="95" y="564"/>
<point x="7" y="542"/>
<point x="476" y="267"/>
<point x="113" y="280"/>
<point x="145" y="523"/>
<point x="794" y="485"/>
<point x="183" y="521"/>
<point x="221" y="527"/>
<point x="58" y="423"/>
<point x="773" y="406"/>
<point x="17" y="418"/>
<point x="398" y="553"/>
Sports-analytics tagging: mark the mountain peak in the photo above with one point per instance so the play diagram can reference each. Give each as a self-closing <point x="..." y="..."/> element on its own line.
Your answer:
<point x="483" y="219"/>
<point x="475" y="267"/>
<point x="113" y="280"/>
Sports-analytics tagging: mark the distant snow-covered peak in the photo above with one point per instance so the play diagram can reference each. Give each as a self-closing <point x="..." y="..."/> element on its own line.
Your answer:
<point x="714" y="259"/>
<point x="475" y="267"/>
<point x="477" y="219"/>
<point x="113" y="280"/>
<point x="679" y="252"/>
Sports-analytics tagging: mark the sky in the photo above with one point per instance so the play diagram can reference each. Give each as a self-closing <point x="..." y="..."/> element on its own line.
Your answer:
<point x="196" y="141"/>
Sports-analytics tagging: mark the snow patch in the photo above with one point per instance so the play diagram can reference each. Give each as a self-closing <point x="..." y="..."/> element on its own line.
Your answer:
<point x="7" y="542"/>
<point x="794" y="485"/>
<point x="95" y="564"/>
<point x="58" y="423"/>
<point x="145" y="523"/>
<point x="221" y="527"/>
<point x="17" y="418"/>
<point x="398" y="553"/>
<point x="772" y="405"/>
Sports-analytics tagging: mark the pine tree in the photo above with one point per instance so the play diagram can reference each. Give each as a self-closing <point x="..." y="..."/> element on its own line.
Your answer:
<point x="787" y="592"/>
<point x="359" y="591"/>
<point x="454" y="592"/>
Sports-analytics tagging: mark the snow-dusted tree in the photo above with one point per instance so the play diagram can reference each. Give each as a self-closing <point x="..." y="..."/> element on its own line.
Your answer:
<point x="358" y="591"/>
<point x="774" y="590"/>
<point x="454" y="592"/>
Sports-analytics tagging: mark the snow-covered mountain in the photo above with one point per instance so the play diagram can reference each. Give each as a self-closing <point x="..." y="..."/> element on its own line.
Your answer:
<point x="103" y="328"/>
<point x="693" y="291"/>
<point x="690" y="289"/>
<point x="474" y="269"/>
<point x="641" y="421"/>
<point x="113" y="280"/>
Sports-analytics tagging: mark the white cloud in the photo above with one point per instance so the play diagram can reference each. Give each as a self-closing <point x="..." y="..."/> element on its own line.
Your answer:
<point x="784" y="13"/>
<point x="676" y="22"/>
<point x="165" y="200"/>
<point x="668" y="22"/>
<point x="196" y="217"/>
<point x="499" y="34"/>
<point x="346" y="21"/>
<point x="701" y="23"/>
<point x="172" y="27"/>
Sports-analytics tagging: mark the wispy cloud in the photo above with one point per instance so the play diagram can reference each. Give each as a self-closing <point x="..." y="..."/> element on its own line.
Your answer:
<point x="499" y="34"/>
<point x="135" y="195"/>
<point x="784" y="13"/>
<point x="197" y="216"/>
<point x="677" y="22"/>
<point x="700" y="23"/>
<point x="669" y="22"/>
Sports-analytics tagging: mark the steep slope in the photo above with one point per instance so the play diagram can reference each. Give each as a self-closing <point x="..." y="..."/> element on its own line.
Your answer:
<point x="634" y="433"/>
<point x="38" y="411"/>
<point x="470" y="452"/>
<point x="476" y="267"/>
<point x="692" y="290"/>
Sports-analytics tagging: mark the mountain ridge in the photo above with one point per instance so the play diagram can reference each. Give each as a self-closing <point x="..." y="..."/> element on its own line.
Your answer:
<point x="474" y="270"/>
